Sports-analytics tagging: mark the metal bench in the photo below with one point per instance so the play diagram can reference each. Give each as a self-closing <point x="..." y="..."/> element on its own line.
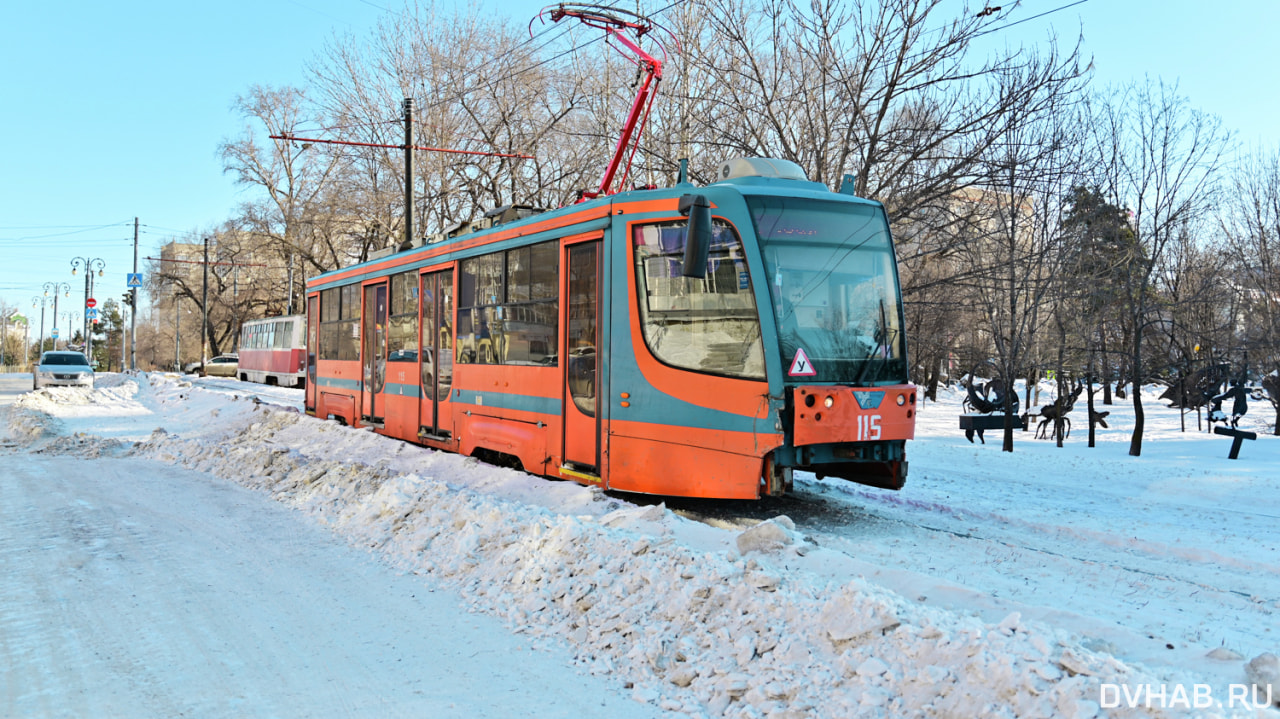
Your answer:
<point x="979" y="423"/>
<point x="1238" y="437"/>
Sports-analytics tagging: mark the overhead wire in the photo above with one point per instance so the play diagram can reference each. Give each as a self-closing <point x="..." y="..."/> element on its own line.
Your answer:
<point x="566" y="29"/>
<point x="459" y="95"/>
<point x="909" y="59"/>
<point x="82" y="230"/>
<point x="1033" y="17"/>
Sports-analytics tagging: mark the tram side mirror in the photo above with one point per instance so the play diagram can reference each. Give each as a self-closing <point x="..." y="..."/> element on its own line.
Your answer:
<point x="698" y="236"/>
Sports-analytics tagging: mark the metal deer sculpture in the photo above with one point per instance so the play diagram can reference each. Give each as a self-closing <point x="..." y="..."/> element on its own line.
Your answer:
<point x="1058" y="411"/>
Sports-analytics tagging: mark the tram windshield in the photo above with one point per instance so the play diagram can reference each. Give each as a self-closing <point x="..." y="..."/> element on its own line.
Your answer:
<point x="834" y="289"/>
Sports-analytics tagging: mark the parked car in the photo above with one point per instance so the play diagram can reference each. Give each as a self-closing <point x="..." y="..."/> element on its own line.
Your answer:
<point x="222" y="366"/>
<point x="63" y="369"/>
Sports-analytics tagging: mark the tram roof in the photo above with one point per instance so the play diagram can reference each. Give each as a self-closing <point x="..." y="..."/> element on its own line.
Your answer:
<point x="594" y="214"/>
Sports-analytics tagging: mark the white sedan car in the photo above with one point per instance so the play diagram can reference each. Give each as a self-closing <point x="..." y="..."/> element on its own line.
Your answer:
<point x="222" y="366"/>
<point x="62" y="369"/>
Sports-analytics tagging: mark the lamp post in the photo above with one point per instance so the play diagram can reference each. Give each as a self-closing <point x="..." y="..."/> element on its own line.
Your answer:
<point x="71" y="317"/>
<point x="56" y="288"/>
<point x="42" y="302"/>
<point x="90" y="264"/>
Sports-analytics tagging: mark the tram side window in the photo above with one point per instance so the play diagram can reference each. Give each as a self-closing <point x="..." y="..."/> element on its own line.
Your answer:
<point x="349" y="326"/>
<point x="707" y="325"/>
<point x="402" y="333"/>
<point x="340" y="323"/>
<point x="508" y="306"/>
<point x="329" y="305"/>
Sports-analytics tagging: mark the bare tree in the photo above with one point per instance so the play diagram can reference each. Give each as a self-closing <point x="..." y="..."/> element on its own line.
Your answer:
<point x="1251" y="226"/>
<point x="1019" y="266"/>
<point x="1162" y="160"/>
<point x="291" y="211"/>
<point x="892" y="92"/>
<point x="500" y="96"/>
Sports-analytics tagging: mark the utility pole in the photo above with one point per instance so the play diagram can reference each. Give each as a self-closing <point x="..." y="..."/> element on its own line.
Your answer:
<point x="204" y="307"/>
<point x="288" y="304"/>
<point x="123" y="344"/>
<point x="133" y="306"/>
<point x="177" y="336"/>
<point x="408" y="172"/>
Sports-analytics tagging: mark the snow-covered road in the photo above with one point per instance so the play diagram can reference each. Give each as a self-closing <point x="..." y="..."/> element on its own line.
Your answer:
<point x="131" y="588"/>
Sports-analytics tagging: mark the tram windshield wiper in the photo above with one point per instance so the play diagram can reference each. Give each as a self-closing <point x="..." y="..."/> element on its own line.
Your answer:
<point x="879" y="340"/>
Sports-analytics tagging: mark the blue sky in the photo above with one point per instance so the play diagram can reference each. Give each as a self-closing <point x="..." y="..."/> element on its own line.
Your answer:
<point x="114" y="110"/>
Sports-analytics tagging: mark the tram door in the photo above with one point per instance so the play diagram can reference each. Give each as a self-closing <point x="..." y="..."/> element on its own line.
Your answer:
<point x="435" y="353"/>
<point x="373" y="353"/>
<point x="582" y="338"/>
<point x="313" y="342"/>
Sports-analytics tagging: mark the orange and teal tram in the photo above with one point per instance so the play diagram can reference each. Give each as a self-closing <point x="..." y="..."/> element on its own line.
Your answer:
<point x="688" y="341"/>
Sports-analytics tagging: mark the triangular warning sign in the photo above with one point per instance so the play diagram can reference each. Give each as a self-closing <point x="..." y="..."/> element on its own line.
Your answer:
<point x="801" y="366"/>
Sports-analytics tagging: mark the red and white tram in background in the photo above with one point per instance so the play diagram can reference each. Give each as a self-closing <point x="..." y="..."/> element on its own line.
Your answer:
<point x="274" y="351"/>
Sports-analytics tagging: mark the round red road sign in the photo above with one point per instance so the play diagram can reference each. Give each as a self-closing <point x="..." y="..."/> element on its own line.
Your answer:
<point x="90" y="302"/>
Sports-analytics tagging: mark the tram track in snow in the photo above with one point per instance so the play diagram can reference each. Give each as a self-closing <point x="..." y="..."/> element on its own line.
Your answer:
<point x="270" y="394"/>
<point x="837" y="522"/>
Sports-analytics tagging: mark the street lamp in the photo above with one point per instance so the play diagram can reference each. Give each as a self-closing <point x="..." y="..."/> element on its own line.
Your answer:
<point x="42" y="302"/>
<point x="90" y="264"/>
<point x="57" y="288"/>
<point x="71" y="317"/>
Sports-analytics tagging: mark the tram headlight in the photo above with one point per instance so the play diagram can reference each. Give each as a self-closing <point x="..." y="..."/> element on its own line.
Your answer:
<point x="902" y="399"/>
<point x="828" y="402"/>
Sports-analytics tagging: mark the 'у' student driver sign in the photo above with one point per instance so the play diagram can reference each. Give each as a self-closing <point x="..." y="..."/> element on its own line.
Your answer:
<point x="801" y="366"/>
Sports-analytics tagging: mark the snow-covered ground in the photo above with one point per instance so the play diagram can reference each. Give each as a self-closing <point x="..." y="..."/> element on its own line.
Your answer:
<point x="1046" y="582"/>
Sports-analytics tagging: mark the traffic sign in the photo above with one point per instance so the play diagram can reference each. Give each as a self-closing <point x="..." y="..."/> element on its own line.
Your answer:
<point x="135" y="279"/>
<point x="801" y="366"/>
<point x="90" y="302"/>
<point x="91" y="313"/>
<point x="54" y="334"/>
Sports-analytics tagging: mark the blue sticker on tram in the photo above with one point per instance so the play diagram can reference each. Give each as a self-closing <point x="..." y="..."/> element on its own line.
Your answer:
<point x="743" y="281"/>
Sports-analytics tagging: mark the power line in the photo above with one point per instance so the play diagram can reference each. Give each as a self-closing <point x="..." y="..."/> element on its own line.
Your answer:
<point x="83" y="229"/>
<point x="202" y="262"/>
<point x="599" y="38"/>
<point x="1029" y="19"/>
<point x="55" y="227"/>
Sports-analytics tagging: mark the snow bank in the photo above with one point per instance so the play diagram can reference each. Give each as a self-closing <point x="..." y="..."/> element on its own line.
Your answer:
<point x="738" y="631"/>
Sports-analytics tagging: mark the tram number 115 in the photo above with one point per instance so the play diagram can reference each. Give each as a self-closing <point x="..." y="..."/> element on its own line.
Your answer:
<point x="868" y="427"/>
